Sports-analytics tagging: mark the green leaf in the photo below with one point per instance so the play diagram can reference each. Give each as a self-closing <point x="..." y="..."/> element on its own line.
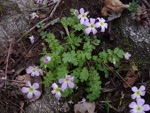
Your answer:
<point x="70" y="57"/>
<point x="48" y="79"/>
<point x="84" y="74"/>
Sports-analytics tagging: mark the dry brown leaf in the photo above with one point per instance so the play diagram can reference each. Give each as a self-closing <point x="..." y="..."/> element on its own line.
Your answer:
<point x="23" y="79"/>
<point x="115" y="5"/>
<point x="131" y="77"/>
<point x="84" y="108"/>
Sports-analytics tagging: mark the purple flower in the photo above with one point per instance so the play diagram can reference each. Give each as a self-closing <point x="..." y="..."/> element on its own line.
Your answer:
<point x="127" y="56"/>
<point x="68" y="80"/>
<point x="91" y="26"/>
<point x="38" y="1"/>
<point x="33" y="70"/>
<point x="33" y="15"/>
<point x="56" y="90"/>
<point x="32" y="39"/>
<point x="31" y="90"/>
<point x="70" y="102"/>
<point x="47" y="59"/>
<point x="139" y="107"/>
<point x="102" y="24"/>
<point x="76" y="12"/>
<point x="83" y="101"/>
<point x="82" y="16"/>
<point x="138" y="92"/>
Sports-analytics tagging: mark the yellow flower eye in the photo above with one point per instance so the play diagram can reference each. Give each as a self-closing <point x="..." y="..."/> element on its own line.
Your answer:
<point x="92" y="26"/>
<point x="83" y="15"/>
<point x="31" y="89"/>
<point x="138" y="92"/>
<point x="33" y="70"/>
<point x="102" y="23"/>
<point x="57" y="89"/>
<point x="67" y="79"/>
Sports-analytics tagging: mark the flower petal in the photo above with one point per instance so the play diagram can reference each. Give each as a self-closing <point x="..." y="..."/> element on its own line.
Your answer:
<point x="133" y="105"/>
<point x="58" y="95"/>
<point x="97" y="24"/>
<point x="133" y="96"/>
<point x="29" y="69"/>
<point x="142" y="93"/>
<point x="25" y="89"/>
<point x="79" y="16"/>
<point x="82" y="21"/>
<point x="146" y="107"/>
<point x="94" y="31"/>
<point x="87" y="30"/>
<point x="134" y="89"/>
<point x="54" y="86"/>
<point x="105" y="25"/>
<point x="64" y="86"/>
<point x="29" y="83"/>
<point x="72" y="79"/>
<point x="35" y="85"/>
<point x="81" y="10"/>
<point x="140" y="102"/>
<point x="53" y="91"/>
<point x="86" y="23"/>
<point x="37" y="73"/>
<point x="61" y="80"/>
<point x="92" y="20"/>
<point x="71" y="84"/>
<point x="30" y="95"/>
<point x="68" y="76"/>
<point x="37" y="93"/>
<point x="33" y="74"/>
<point x="86" y="13"/>
<point x="142" y="88"/>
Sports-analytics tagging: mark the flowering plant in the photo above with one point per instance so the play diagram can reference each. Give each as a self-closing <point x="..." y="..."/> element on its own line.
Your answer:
<point x="73" y="62"/>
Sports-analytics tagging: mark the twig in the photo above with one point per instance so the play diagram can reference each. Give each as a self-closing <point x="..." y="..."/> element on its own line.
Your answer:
<point x="146" y="3"/>
<point x="117" y="74"/>
<point x="47" y="25"/>
<point x="43" y="6"/>
<point x="12" y="81"/>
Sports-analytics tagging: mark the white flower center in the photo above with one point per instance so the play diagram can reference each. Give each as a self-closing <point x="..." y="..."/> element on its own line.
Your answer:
<point x="57" y="90"/>
<point x="92" y="26"/>
<point x="138" y="93"/>
<point x="67" y="79"/>
<point x="83" y="15"/>
<point x="31" y="89"/>
<point x="138" y="108"/>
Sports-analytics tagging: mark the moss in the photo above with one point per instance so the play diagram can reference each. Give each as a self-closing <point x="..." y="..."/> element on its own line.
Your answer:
<point x="141" y="60"/>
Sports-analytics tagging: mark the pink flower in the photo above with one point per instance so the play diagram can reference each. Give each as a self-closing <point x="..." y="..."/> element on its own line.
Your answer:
<point x="82" y="16"/>
<point x="76" y="11"/>
<point x="56" y="90"/>
<point x="33" y="15"/>
<point x="91" y="26"/>
<point x="38" y="1"/>
<point x="47" y="59"/>
<point x="138" y="92"/>
<point x="33" y="70"/>
<point x="68" y="80"/>
<point x="139" y="107"/>
<point x="102" y="24"/>
<point x="31" y="90"/>
<point x="32" y="39"/>
<point x="127" y="56"/>
<point x="83" y="101"/>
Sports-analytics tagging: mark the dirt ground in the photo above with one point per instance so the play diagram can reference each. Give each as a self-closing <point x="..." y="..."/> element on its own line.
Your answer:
<point x="113" y="97"/>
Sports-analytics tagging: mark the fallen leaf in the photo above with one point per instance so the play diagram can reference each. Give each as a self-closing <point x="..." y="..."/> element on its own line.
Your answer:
<point x="131" y="77"/>
<point x="115" y="5"/>
<point x="21" y="80"/>
<point x="84" y="108"/>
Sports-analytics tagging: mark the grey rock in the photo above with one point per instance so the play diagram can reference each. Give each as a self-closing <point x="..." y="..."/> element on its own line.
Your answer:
<point x="14" y="19"/>
<point x="135" y="38"/>
<point x="47" y="104"/>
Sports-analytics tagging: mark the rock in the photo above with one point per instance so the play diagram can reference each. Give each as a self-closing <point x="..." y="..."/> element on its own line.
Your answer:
<point x="14" y="18"/>
<point x="135" y="38"/>
<point x="47" y="104"/>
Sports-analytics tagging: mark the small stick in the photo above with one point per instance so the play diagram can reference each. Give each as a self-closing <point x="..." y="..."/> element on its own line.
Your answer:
<point x="47" y="25"/>
<point x="146" y="3"/>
